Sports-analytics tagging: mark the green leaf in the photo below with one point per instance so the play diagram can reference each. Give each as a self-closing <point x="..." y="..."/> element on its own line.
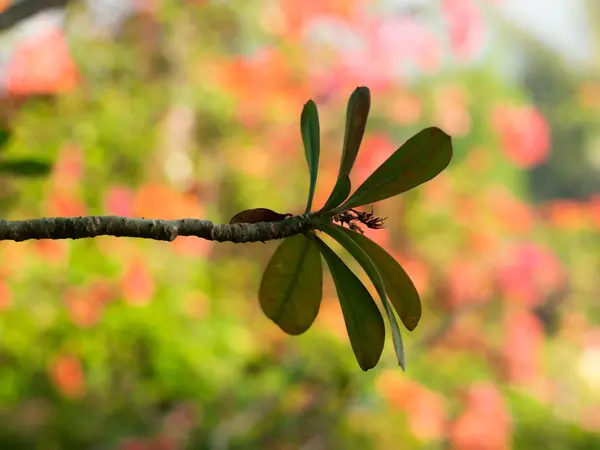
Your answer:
<point x="340" y="192"/>
<point x="25" y="167"/>
<point x="399" y="287"/>
<point x="292" y="285"/>
<point x="4" y="138"/>
<point x="362" y="317"/>
<point x="419" y="160"/>
<point x="346" y="240"/>
<point x="357" y="113"/>
<point x="309" y="126"/>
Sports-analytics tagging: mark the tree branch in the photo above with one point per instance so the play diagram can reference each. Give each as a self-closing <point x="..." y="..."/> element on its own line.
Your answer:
<point x="162" y="230"/>
<point x="24" y="9"/>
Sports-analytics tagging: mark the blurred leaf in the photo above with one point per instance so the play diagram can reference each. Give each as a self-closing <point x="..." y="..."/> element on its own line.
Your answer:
<point x="258" y="215"/>
<point x="340" y="192"/>
<point x="357" y="113"/>
<point x="4" y="138"/>
<point x="398" y="285"/>
<point x="25" y="167"/>
<point x="292" y="285"/>
<point x="345" y="239"/>
<point x="362" y="317"/>
<point x="309" y="126"/>
<point x="420" y="159"/>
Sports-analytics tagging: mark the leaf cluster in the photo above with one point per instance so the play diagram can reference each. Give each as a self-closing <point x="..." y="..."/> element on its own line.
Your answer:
<point x="291" y="287"/>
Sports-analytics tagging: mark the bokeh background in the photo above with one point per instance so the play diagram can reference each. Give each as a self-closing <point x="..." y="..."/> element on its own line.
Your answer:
<point x="171" y="109"/>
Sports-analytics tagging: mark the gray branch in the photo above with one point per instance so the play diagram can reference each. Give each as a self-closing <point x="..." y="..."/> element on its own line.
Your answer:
<point x="162" y="230"/>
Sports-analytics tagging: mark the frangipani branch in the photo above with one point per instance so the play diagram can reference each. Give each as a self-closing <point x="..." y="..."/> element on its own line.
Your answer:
<point x="162" y="230"/>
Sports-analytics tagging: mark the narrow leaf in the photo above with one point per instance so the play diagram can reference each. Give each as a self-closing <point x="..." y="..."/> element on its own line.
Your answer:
<point x="362" y="317"/>
<point x="258" y="215"/>
<point x="345" y="239"/>
<point x="25" y="167"/>
<point x="340" y="192"/>
<point x="292" y="285"/>
<point x="309" y="126"/>
<point x="399" y="287"/>
<point x="419" y="160"/>
<point x="4" y="138"/>
<point x="357" y="113"/>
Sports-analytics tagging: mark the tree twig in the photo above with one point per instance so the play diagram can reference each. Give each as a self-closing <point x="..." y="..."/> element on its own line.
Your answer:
<point x="162" y="230"/>
<point x="24" y="9"/>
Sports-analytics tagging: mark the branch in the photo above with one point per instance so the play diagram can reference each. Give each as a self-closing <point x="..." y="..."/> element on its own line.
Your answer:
<point x="24" y="9"/>
<point x="162" y="230"/>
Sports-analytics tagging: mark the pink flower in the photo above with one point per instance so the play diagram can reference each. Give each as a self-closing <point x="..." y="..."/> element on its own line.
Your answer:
<point x="137" y="284"/>
<point x="529" y="273"/>
<point x="524" y="134"/>
<point x="522" y="346"/>
<point x="119" y="201"/>
<point x="465" y="25"/>
<point x="485" y="423"/>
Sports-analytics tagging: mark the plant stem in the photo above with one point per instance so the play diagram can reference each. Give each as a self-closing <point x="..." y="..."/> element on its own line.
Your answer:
<point x="162" y="230"/>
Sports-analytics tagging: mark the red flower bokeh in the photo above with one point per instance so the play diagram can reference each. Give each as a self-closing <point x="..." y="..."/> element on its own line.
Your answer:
<point x="5" y="295"/>
<point x="466" y="27"/>
<point x="425" y="409"/>
<point x="485" y="423"/>
<point x="528" y="273"/>
<point x="524" y="338"/>
<point x="137" y="284"/>
<point x="42" y="65"/>
<point x="68" y="377"/>
<point x="119" y="201"/>
<point x="524" y="134"/>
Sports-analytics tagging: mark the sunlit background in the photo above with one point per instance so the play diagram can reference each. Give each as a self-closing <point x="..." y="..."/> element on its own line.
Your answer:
<point x="171" y="109"/>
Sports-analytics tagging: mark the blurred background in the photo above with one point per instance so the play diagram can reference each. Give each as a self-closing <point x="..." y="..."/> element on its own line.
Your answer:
<point x="171" y="108"/>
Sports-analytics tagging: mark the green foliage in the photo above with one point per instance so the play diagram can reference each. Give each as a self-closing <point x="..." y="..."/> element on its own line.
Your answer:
<point x="362" y="317"/>
<point x="291" y="287"/>
<point x="25" y="167"/>
<point x="309" y="126"/>
<point x="4" y="138"/>
<point x="347" y="239"/>
<point x="419" y="160"/>
<point x="399" y="287"/>
<point x="340" y="192"/>
<point x="357" y="113"/>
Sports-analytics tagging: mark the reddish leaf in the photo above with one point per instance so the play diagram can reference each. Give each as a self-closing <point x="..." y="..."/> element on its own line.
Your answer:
<point x="258" y="215"/>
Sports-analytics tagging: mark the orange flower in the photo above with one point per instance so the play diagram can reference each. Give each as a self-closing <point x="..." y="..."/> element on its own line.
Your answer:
<point x="452" y="110"/>
<point x="155" y="200"/>
<point x="589" y="95"/>
<point x="594" y="210"/>
<point x="84" y="306"/>
<point x="42" y="65"/>
<point x="65" y="204"/>
<point x="5" y="295"/>
<point x="425" y="409"/>
<point x="512" y="214"/>
<point x="567" y="214"/>
<point x="137" y="284"/>
<point x="67" y="374"/>
<point x="468" y="282"/>
<point x="68" y="169"/>
<point x="406" y="108"/>
<point x="52" y="250"/>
